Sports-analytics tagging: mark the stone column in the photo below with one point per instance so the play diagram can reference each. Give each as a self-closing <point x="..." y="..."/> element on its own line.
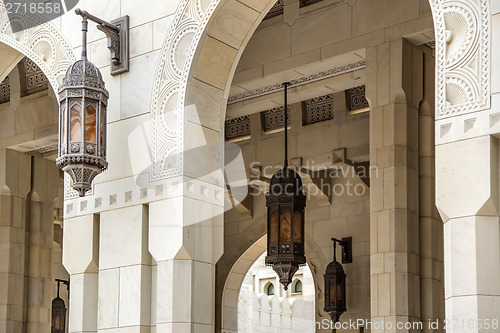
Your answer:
<point x="394" y="89"/>
<point x="15" y="175"/>
<point x="124" y="270"/>
<point x="431" y="226"/>
<point x="186" y="228"/>
<point x="186" y="242"/>
<point x="39" y="244"/>
<point x="467" y="193"/>
<point x="81" y="260"/>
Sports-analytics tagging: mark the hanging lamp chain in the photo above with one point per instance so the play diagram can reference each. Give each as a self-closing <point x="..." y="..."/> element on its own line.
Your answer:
<point x="285" y="121"/>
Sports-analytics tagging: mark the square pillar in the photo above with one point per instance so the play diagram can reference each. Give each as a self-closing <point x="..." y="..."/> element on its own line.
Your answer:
<point x="186" y="243"/>
<point x="394" y="90"/>
<point x="124" y="270"/>
<point x="81" y="260"/>
<point x="467" y="193"/>
<point x="15" y="175"/>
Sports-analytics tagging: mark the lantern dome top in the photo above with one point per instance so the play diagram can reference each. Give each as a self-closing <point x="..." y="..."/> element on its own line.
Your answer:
<point x="58" y="303"/>
<point x="83" y="73"/>
<point x="334" y="268"/>
<point x="287" y="176"/>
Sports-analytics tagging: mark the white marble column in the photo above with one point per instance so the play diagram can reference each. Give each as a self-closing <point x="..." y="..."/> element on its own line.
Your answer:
<point x="394" y="89"/>
<point x="81" y="260"/>
<point x="467" y="174"/>
<point x="431" y="226"/>
<point x="124" y="271"/>
<point x="186" y="237"/>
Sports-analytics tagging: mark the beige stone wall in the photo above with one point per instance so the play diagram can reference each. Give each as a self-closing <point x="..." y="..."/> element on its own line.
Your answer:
<point x="27" y="229"/>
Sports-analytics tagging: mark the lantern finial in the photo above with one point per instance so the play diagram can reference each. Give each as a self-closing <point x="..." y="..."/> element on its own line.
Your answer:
<point x="84" y="37"/>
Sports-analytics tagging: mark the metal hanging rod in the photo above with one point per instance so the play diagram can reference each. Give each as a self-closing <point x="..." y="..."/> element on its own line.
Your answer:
<point x="95" y="19"/>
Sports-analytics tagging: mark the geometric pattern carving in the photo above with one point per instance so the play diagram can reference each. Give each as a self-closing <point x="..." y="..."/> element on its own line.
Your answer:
<point x="43" y="44"/>
<point x="34" y="78"/>
<point x="69" y="192"/>
<point x="278" y="7"/>
<point x="46" y="149"/>
<point x="237" y="127"/>
<point x="355" y="98"/>
<point x="332" y="72"/>
<point x="462" y="56"/>
<point x="275" y="10"/>
<point x="167" y="103"/>
<point x="5" y="90"/>
<point x="317" y="109"/>
<point x="274" y="118"/>
<point x="304" y="3"/>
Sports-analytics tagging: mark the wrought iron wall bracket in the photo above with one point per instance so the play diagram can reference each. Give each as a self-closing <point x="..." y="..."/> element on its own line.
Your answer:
<point x="346" y="244"/>
<point x="117" y="32"/>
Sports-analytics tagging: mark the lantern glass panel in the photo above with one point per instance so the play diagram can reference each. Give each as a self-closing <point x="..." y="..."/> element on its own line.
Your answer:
<point x="90" y="124"/>
<point x="56" y="323"/>
<point x="333" y="292"/>
<point x="336" y="291"/>
<point x="273" y="224"/>
<point x="76" y="123"/>
<point x="285" y="224"/>
<point x="297" y="225"/>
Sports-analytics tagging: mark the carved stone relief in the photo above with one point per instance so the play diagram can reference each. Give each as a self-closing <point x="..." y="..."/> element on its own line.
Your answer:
<point x="462" y="56"/>
<point x="44" y="45"/>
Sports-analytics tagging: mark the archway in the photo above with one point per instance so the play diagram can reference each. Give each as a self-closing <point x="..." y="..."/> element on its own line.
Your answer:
<point x="218" y="32"/>
<point x="236" y="262"/>
<point x="43" y="44"/>
<point x="198" y="80"/>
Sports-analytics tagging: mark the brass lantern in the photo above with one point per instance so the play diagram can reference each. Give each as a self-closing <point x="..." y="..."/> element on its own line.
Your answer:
<point x="59" y="311"/>
<point x="335" y="279"/>
<point x="58" y="316"/>
<point x="286" y="204"/>
<point x="83" y="101"/>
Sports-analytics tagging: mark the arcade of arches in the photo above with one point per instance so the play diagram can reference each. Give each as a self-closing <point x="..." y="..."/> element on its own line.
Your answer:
<point x="393" y="127"/>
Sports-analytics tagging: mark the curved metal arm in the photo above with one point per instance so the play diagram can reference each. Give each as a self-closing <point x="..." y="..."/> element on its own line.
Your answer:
<point x="95" y="19"/>
<point x="118" y="39"/>
<point x="346" y="244"/>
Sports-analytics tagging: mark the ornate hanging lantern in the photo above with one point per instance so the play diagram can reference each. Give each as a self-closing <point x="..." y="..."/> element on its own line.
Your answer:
<point x="335" y="278"/>
<point x="83" y="100"/>
<point x="59" y="311"/>
<point x="286" y="204"/>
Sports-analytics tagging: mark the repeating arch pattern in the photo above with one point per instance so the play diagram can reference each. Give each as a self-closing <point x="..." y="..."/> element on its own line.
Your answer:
<point x="462" y="70"/>
<point x="43" y="44"/>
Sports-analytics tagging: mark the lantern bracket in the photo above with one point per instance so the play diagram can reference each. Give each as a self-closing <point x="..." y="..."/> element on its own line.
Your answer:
<point x="346" y="244"/>
<point x="117" y="32"/>
<point x="66" y="282"/>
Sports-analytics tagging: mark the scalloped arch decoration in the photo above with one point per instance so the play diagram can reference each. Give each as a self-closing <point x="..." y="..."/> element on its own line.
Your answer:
<point x="44" y="44"/>
<point x="462" y="69"/>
